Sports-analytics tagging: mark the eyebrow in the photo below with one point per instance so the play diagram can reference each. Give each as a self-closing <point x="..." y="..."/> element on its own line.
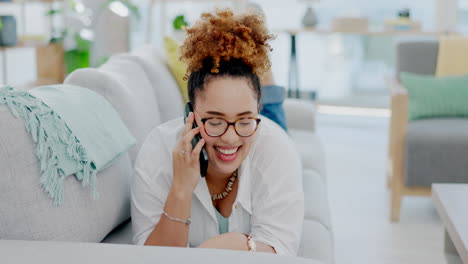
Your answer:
<point x="221" y="114"/>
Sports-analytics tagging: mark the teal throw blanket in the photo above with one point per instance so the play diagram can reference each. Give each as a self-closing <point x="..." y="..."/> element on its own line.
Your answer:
<point x="76" y="131"/>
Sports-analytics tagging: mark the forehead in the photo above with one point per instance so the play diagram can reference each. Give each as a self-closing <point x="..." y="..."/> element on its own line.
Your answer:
<point x="227" y="95"/>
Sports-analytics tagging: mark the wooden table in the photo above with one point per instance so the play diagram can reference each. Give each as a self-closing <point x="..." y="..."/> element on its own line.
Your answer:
<point x="451" y="202"/>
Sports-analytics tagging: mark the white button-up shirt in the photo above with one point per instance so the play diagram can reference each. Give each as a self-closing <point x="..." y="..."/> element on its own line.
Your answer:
<point x="269" y="204"/>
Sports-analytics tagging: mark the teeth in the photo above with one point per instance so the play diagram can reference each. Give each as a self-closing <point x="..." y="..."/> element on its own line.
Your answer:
<point x="227" y="151"/>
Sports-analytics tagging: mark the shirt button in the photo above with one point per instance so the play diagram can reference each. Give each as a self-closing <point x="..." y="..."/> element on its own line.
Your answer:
<point x="235" y="206"/>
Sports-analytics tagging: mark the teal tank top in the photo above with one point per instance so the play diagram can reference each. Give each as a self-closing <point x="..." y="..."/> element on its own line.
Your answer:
<point x="223" y="222"/>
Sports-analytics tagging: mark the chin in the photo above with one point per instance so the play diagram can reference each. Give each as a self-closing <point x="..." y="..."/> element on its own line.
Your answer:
<point x="225" y="164"/>
<point x="225" y="169"/>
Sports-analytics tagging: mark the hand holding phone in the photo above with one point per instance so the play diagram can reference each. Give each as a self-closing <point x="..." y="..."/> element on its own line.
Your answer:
<point x="195" y="140"/>
<point x="185" y="159"/>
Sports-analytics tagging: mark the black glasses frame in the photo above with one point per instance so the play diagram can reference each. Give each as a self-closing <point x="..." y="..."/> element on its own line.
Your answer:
<point x="203" y="120"/>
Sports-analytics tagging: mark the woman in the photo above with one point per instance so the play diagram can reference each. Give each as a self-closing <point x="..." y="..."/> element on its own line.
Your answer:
<point x="251" y="197"/>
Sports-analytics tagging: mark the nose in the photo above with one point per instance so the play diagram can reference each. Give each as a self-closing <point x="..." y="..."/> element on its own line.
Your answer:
<point x="230" y="136"/>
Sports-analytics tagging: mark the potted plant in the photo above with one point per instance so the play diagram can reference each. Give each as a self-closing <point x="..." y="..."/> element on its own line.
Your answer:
<point x="77" y="37"/>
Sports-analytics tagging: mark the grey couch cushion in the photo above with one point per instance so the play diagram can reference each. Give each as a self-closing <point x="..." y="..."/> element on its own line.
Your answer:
<point x="419" y="57"/>
<point x="437" y="151"/>
<point x="27" y="213"/>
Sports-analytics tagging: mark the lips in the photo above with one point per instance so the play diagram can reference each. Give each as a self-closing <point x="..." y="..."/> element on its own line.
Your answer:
<point x="227" y="154"/>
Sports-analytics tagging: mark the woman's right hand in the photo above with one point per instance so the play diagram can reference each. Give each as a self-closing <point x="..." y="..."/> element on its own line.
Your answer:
<point x="185" y="159"/>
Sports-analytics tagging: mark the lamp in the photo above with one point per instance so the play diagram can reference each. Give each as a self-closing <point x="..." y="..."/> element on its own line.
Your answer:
<point x="310" y="19"/>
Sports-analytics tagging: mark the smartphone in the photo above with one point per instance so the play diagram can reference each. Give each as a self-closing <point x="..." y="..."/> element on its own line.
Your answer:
<point x="195" y="140"/>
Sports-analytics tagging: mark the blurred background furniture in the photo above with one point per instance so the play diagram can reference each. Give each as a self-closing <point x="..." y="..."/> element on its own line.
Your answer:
<point x="356" y="27"/>
<point x="450" y="202"/>
<point x="49" y="56"/>
<point x="238" y="6"/>
<point x="426" y="151"/>
<point x="50" y="65"/>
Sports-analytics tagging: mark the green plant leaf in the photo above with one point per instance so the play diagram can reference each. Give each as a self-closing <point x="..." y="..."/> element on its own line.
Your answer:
<point x="81" y="43"/>
<point x="52" y="12"/>
<point x="60" y="38"/>
<point x="72" y="4"/>
<point x="76" y="59"/>
<point x="56" y="40"/>
<point x="179" y="22"/>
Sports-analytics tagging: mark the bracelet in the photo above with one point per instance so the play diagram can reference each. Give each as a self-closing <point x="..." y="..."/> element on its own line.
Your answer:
<point x="187" y="222"/>
<point x="251" y="243"/>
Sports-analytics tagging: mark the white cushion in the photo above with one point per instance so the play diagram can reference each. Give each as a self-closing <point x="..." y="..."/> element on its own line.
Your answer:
<point x="310" y="149"/>
<point x="317" y="239"/>
<point x="315" y="198"/>
<point x="26" y="211"/>
<point x="300" y="114"/>
<point x="125" y="85"/>
<point x="171" y="104"/>
<point x="317" y="242"/>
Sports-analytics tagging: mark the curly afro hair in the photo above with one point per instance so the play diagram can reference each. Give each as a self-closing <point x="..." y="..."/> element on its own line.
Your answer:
<point x="221" y="36"/>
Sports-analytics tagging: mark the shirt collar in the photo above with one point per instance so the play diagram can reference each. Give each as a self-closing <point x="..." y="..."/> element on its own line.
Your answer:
<point x="244" y="193"/>
<point x="203" y="195"/>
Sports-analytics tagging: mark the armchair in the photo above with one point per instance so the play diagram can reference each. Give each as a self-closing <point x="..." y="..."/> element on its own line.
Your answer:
<point x="426" y="151"/>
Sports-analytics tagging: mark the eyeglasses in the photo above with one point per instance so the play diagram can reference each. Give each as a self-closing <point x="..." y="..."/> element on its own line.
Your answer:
<point x="244" y="127"/>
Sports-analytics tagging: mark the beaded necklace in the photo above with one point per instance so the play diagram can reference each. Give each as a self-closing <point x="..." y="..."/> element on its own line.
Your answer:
<point x="228" y="188"/>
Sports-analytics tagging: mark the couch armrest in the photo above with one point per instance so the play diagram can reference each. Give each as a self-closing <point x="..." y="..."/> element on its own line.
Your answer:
<point x="317" y="234"/>
<point x="395" y="87"/>
<point x="398" y="126"/>
<point x="399" y="113"/>
<point x="300" y="114"/>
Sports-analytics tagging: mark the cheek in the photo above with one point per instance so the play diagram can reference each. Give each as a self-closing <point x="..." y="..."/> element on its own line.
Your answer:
<point x="209" y="141"/>
<point x="247" y="143"/>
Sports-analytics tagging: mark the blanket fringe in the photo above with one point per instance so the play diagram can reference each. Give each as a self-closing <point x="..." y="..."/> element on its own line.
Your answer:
<point x="46" y="129"/>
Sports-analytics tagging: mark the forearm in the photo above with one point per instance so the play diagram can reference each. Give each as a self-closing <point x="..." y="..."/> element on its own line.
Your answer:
<point x="169" y="232"/>
<point x="234" y="241"/>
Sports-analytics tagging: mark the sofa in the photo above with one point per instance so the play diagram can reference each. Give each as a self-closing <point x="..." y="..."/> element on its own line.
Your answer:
<point x="424" y="151"/>
<point x="144" y="93"/>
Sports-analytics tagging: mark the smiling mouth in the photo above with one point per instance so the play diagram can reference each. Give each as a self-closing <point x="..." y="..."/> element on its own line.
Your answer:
<point x="224" y="151"/>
